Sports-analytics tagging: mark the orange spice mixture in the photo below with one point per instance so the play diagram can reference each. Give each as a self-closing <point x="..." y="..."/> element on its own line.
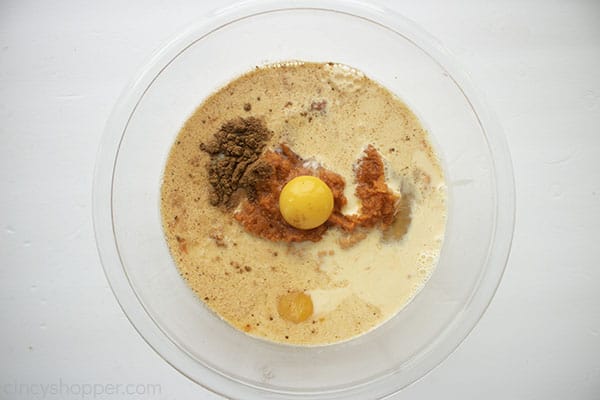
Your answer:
<point x="262" y="217"/>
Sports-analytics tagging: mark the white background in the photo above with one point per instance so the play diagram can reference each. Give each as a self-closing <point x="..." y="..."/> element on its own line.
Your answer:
<point x="64" y="63"/>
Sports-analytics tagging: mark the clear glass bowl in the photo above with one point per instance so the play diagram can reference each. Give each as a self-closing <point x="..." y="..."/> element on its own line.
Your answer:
<point x="390" y="50"/>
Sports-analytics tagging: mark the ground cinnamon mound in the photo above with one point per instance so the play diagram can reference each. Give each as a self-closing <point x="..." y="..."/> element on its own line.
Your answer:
<point x="234" y="150"/>
<point x="261" y="216"/>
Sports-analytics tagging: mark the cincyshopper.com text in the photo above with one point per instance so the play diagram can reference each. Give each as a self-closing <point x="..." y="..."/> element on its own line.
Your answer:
<point x="67" y="390"/>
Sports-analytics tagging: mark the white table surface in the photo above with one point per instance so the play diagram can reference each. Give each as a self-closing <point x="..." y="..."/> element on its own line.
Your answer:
<point x="64" y="63"/>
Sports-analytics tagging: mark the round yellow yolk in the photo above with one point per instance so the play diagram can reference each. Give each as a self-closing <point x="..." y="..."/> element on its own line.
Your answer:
<point x="306" y="202"/>
<point x="295" y="307"/>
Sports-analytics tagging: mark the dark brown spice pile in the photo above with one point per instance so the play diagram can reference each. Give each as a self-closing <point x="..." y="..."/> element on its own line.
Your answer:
<point x="234" y="150"/>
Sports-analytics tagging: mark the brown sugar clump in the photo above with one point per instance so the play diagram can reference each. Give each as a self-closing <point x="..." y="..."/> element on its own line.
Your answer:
<point x="262" y="217"/>
<point x="378" y="202"/>
<point x="233" y="149"/>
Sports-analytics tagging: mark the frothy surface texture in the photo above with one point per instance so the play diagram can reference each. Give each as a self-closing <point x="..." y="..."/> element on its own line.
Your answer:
<point x="328" y="114"/>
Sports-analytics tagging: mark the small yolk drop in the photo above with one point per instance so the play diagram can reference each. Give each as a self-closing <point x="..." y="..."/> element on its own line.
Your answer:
<point x="295" y="307"/>
<point x="306" y="202"/>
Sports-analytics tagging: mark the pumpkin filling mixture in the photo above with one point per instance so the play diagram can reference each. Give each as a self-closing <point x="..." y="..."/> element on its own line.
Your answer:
<point x="303" y="203"/>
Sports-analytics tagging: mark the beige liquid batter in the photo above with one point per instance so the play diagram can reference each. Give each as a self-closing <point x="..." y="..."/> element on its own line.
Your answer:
<point x="353" y="289"/>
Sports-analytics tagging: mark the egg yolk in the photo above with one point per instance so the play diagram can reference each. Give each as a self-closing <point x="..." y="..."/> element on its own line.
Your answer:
<point x="306" y="202"/>
<point x="295" y="307"/>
